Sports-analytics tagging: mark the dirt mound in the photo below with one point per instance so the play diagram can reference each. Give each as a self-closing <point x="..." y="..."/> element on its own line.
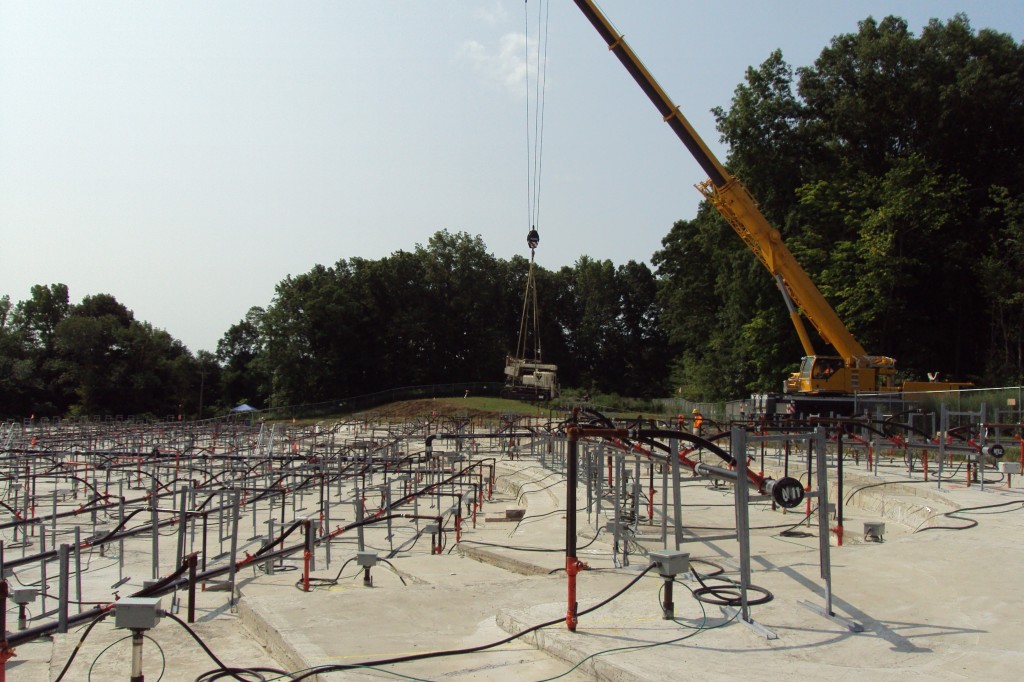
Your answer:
<point x="426" y="408"/>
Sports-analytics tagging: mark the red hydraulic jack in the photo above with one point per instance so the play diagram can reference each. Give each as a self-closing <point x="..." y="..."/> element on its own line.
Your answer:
<point x="307" y="554"/>
<point x="6" y="652"/>
<point x="572" y="564"/>
<point x="838" y="529"/>
<point x="572" y="567"/>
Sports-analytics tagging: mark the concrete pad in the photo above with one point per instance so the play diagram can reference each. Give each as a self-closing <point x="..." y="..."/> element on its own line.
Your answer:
<point x="935" y="604"/>
<point x="182" y="658"/>
<point x="450" y="605"/>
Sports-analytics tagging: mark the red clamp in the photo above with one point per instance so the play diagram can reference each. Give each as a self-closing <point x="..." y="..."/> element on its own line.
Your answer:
<point x="6" y="654"/>
<point x="838" y="530"/>
<point x="572" y="567"/>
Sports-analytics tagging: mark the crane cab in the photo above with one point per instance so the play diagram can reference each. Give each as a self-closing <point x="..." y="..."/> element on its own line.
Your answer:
<point x="830" y="375"/>
<point x="818" y="374"/>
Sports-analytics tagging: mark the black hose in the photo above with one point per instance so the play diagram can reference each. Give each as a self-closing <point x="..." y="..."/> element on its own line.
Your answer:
<point x="729" y="594"/>
<point x="971" y="522"/>
<point x="325" y="582"/>
<point x="78" y="646"/>
<point x="223" y="669"/>
<point x="393" y="569"/>
<point x="469" y="650"/>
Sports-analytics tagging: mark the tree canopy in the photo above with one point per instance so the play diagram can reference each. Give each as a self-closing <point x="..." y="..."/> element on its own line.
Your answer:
<point x="449" y="312"/>
<point x="93" y="358"/>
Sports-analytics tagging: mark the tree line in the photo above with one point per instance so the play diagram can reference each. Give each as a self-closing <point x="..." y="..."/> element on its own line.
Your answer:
<point x="447" y="312"/>
<point x="892" y="166"/>
<point x="91" y="358"/>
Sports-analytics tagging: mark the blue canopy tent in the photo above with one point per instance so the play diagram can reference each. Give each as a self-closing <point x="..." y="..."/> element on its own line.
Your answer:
<point x="244" y="410"/>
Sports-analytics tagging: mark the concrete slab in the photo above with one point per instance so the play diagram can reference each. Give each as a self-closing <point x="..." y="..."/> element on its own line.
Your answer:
<point x="934" y="604"/>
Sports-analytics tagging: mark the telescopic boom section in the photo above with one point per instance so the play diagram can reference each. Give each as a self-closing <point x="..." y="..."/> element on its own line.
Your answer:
<point x="732" y="199"/>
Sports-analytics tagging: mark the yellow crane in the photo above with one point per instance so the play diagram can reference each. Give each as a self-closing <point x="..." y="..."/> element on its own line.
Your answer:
<point x="853" y="370"/>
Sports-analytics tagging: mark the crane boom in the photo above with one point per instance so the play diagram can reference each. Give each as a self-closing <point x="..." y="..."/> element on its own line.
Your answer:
<point x="732" y="199"/>
<point x="854" y="371"/>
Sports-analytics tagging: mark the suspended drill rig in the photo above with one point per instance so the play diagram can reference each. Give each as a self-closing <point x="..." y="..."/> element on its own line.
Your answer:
<point x="527" y="376"/>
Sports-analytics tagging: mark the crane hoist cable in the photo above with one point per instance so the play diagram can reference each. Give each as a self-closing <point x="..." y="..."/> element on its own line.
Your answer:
<point x="535" y="113"/>
<point x="530" y="305"/>
<point x="529" y="320"/>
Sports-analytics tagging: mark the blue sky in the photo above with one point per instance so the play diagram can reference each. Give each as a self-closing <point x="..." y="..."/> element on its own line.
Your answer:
<point x="187" y="156"/>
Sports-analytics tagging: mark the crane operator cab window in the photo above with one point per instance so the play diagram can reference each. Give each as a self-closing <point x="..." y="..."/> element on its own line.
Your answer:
<point x="885" y="380"/>
<point x="824" y="368"/>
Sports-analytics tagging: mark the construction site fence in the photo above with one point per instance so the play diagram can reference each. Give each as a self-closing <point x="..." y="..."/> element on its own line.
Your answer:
<point x="1006" y="401"/>
<point x="997" y="403"/>
<point x="1001" y="404"/>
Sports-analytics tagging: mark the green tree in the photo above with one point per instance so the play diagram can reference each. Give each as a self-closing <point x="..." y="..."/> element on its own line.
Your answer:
<point x="292" y="339"/>
<point x="40" y="314"/>
<point x="35" y="322"/>
<point x="243" y="377"/>
<point x="209" y="380"/>
<point x="644" y="345"/>
<point x="462" y="291"/>
<point x="1001" y="269"/>
<point x="762" y="129"/>
<point x="16" y="363"/>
